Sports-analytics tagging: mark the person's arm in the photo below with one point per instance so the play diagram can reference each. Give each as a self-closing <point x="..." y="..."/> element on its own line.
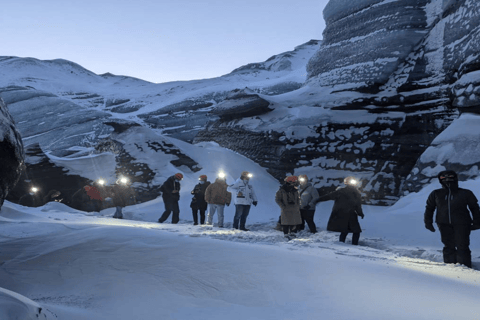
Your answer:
<point x="315" y="197"/>
<point x="208" y="194"/>
<point x="430" y="208"/>
<point x="279" y="200"/>
<point x="472" y="203"/>
<point x="329" y="196"/>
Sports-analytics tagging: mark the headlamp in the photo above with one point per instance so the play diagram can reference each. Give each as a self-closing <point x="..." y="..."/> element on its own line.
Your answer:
<point x="101" y="182"/>
<point x="353" y="182"/>
<point x="34" y="189"/>
<point x="301" y="179"/>
<point x="221" y="175"/>
<point x="250" y="175"/>
<point x="123" y="180"/>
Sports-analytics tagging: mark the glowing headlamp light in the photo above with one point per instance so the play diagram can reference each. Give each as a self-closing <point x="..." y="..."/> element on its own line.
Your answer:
<point x="123" y="180"/>
<point x="301" y="179"/>
<point x="250" y="175"/>
<point x="101" y="182"/>
<point x="34" y="189"/>
<point x="221" y="175"/>
<point x="353" y="182"/>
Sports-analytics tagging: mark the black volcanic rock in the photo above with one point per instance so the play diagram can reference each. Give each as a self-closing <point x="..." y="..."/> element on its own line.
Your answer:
<point x="12" y="153"/>
<point x="241" y="104"/>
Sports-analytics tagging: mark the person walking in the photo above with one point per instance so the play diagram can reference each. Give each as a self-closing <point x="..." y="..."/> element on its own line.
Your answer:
<point x="198" y="203"/>
<point x="308" y="200"/>
<point x="244" y="198"/>
<point x="346" y="210"/>
<point x="217" y="197"/>
<point x="453" y="218"/>
<point x="171" y="195"/>
<point x="288" y="199"/>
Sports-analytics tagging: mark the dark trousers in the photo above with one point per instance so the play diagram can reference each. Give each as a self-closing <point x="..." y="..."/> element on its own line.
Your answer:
<point x="170" y="206"/>
<point x="288" y="229"/>
<point x="355" y="237"/>
<point x="456" y="239"/>
<point x="195" y="215"/>
<point x="241" y="214"/>
<point x="307" y="216"/>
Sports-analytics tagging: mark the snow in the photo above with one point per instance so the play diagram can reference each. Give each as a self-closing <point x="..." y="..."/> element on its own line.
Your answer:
<point x="86" y="265"/>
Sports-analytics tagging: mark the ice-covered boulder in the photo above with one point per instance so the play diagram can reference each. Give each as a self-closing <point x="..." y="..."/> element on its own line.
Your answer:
<point x="241" y="104"/>
<point x="12" y="154"/>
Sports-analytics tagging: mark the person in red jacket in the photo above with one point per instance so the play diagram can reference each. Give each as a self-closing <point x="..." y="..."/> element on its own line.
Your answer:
<point x="453" y="217"/>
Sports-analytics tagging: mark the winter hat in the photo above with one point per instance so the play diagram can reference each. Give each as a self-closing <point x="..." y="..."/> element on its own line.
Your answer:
<point x="178" y="176"/>
<point x="448" y="178"/>
<point x="291" y="179"/>
<point x="203" y="177"/>
<point x="303" y="177"/>
<point x="245" y="173"/>
<point x="350" y="181"/>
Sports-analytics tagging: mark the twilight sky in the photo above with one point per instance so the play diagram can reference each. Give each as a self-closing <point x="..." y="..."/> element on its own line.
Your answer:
<point x="158" y="40"/>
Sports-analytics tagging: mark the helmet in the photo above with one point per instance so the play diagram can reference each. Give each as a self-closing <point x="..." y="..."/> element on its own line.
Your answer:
<point x="203" y="177"/>
<point x="303" y="178"/>
<point x="178" y="176"/>
<point x="291" y="179"/>
<point x="246" y="174"/>
<point x="350" y="181"/>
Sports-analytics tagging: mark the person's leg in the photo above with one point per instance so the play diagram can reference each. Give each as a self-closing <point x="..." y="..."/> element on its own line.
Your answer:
<point x="355" y="238"/>
<point x="448" y="239"/>
<point x="176" y="212"/>
<point x="309" y="214"/>
<point x="220" y="209"/>
<point x="462" y="242"/>
<point x="238" y="214"/>
<point x="166" y="213"/>
<point x="118" y="213"/>
<point x="301" y="226"/>
<point x="211" y="212"/>
<point x="286" y="229"/>
<point x="343" y="236"/>
<point x="195" y="216"/>
<point x="243" y="218"/>
<point x="202" y="215"/>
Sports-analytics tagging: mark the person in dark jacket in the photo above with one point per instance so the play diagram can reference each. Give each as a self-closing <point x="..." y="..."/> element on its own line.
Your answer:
<point x="171" y="195"/>
<point x="308" y="199"/>
<point x="198" y="203"/>
<point x="82" y="201"/>
<point x="30" y="199"/>
<point x="453" y="217"/>
<point x="122" y="195"/>
<point x="345" y="211"/>
<point x="288" y="200"/>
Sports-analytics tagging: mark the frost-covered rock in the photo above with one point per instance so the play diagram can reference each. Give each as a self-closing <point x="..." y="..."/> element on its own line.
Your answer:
<point x="241" y="104"/>
<point x="14" y="306"/>
<point x="11" y="150"/>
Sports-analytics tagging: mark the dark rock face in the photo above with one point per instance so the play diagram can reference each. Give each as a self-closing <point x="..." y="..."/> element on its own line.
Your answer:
<point x="241" y="104"/>
<point x="12" y="153"/>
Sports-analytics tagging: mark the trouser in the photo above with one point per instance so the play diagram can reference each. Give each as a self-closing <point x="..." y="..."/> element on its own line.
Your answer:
<point x="355" y="237"/>
<point x="288" y="229"/>
<point x="171" y="206"/>
<point x="456" y="239"/>
<point x="195" y="216"/>
<point x="307" y="216"/>
<point x="211" y="212"/>
<point x="241" y="213"/>
<point x="118" y="213"/>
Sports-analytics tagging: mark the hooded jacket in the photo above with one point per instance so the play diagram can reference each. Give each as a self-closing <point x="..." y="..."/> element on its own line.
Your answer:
<point x="198" y="200"/>
<point x="452" y="204"/>
<point x="308" y="196"/>
<point x="167" y="189"/>
<point x="217" y="193"/>
<point x="288" y="200"/>
<point x="244" y="193"/>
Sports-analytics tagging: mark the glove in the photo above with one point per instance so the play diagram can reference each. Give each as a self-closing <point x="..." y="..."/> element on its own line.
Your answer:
<point x="227" y="204"/>
<point x="307" y="207"/>
<point x="475" y="226"/>
<point x="362" y="215"/>
<point x="430" y="227"/>
<point x="255" y="203"/>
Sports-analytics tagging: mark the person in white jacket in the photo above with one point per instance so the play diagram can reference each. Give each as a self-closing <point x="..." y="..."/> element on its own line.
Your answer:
<point x="244" y="198"/>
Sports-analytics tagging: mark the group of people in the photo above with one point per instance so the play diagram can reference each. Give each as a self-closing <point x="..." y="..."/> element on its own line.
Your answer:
<point x="457" y="209"/>
<point x="212" y="196"/>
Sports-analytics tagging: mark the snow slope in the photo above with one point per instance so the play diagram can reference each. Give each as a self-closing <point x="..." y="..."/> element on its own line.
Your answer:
<point x="84" y="265"/>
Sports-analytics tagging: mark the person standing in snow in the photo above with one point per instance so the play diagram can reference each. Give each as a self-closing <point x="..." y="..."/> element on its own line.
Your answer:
<point x="53" y="195"/>
<point x="217" y="197"/>
<point x="308" y="199"/>
<point x="346" y="210"/>
<point x="288" y="200"/>
<point x="198" y="201"/>
<point x="171" y="195"/>
<point x="121" y="194"/>
<point x="453" y="217"/>
<point x="244" y="198"/>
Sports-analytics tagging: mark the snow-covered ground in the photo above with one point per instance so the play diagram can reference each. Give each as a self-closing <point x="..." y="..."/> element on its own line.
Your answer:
<point x="80" y="265"/>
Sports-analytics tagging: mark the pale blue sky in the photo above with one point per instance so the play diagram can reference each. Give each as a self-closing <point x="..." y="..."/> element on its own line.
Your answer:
<point x="158" y="41"/>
